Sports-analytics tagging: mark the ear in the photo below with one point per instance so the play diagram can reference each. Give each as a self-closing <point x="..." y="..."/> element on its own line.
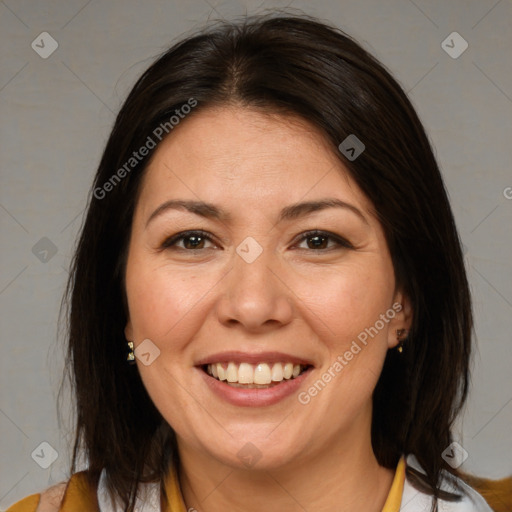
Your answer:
<point x="402" y="319"/>
<point x="128" y="331"/>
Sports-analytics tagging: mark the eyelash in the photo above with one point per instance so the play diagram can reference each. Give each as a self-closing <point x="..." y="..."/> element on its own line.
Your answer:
<point x="341" y="242"/>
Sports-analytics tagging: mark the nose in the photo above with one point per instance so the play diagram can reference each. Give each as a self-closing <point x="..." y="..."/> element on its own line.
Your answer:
<point x="255" y="295"/>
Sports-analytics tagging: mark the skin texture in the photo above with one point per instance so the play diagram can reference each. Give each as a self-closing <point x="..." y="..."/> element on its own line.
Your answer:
<point x="293" y="298"/>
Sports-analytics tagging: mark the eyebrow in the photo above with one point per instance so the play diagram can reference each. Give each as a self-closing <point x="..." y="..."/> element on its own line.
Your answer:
<point x="291" y="212"/>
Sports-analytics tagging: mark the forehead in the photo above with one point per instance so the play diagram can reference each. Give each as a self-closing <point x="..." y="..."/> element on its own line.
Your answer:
<point x="246" y="156"/>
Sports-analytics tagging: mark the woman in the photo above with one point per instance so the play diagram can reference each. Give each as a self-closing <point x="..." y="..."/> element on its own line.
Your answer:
<point x="270" y="241"/>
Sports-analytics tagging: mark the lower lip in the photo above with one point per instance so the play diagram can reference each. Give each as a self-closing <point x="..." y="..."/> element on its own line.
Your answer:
<point x="255" y="397"/>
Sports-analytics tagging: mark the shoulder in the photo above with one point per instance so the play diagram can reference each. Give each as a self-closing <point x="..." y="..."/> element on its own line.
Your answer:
<point x="414" y="500"/>
<point x="28" y="504"/>
<point x="74" y="495"/>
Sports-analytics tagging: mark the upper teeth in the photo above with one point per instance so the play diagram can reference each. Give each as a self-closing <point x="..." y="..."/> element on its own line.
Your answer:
<point x="262" y="373"/>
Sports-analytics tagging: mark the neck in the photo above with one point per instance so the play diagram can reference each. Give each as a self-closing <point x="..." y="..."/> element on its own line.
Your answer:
<point x="344" y="477"/>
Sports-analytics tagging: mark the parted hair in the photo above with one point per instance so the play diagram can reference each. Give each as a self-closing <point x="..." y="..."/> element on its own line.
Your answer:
<point x="290" y="65"/>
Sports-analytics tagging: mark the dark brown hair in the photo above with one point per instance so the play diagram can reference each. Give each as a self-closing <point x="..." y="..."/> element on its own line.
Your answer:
<point x="291" y="65"/>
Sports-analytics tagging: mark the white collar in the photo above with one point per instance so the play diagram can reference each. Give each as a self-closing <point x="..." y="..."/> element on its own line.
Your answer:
<point x="416" y="501"/>
<point x="148" y="497"/>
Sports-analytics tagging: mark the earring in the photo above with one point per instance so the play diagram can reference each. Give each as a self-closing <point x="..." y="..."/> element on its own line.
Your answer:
<point x="399" y="334"/>
<point x="131" y="355"/>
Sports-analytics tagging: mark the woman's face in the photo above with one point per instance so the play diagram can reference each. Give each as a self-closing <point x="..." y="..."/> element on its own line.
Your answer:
<point x="249" y="295"/>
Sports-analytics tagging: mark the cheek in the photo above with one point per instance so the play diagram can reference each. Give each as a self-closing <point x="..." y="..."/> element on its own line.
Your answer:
<point x="344" y="302"/>
<point x="160" y="297"/>
<point x="342" y="311"/>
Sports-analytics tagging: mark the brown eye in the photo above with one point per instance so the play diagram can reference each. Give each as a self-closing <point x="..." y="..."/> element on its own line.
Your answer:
<point x="193" y="242"/>
<point x="317" y="242"/>
<point x="323" y="241"/>
<point x="189" y="240"/>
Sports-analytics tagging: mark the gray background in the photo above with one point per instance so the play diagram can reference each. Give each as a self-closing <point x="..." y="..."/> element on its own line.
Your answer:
<point x="57" y="112"/>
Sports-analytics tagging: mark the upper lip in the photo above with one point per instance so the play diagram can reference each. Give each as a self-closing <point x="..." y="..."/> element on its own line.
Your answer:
<point x="254" y="358"/>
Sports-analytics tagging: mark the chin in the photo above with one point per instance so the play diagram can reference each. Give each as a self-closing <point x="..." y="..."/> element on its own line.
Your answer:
<point x="256" y="452"/>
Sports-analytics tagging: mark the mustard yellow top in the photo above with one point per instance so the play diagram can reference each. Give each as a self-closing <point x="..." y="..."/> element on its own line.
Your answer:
<point x="79" y="497"/>
<point x="394" y="499"/>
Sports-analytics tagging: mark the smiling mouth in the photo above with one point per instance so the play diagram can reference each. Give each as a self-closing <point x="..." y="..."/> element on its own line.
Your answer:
<point x="258" y="376"/>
